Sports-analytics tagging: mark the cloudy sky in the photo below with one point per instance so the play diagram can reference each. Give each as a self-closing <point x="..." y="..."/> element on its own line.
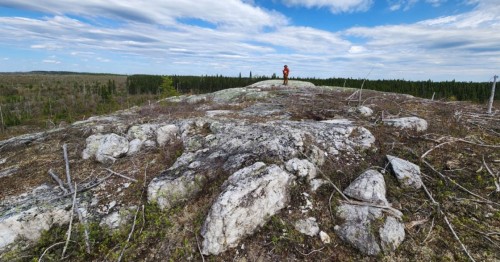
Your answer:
<point x="384" y="39"/>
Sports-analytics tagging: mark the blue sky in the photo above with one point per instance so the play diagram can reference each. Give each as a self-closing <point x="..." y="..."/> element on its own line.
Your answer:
<point x="389" y="39"/>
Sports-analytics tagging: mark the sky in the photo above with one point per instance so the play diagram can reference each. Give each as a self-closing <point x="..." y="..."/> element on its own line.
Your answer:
<point x="438" y="40"/>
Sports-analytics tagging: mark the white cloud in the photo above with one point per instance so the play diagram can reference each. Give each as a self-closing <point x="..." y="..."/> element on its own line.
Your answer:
<point x="51" y="61"/>
<point x="340" y="6"/>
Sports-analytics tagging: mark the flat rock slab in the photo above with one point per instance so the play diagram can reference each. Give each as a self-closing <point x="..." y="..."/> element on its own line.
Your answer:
<point x="412" y="123"/>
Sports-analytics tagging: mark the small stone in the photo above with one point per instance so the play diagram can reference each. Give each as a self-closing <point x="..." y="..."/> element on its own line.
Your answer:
<point x="325" y="238"/>
<point x="307" y="226"/>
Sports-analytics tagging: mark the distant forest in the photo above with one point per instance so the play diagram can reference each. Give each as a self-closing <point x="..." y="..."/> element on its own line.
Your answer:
<point x="47" y="98"/>
<point x="449" y="90"/>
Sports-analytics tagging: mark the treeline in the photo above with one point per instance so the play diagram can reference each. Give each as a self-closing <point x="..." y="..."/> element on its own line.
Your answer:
<point x="450" y="90"/>
<point x="150" y="84"/>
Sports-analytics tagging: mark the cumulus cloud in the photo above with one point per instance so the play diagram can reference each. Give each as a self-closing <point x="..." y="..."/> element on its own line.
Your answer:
<point x="340" y="6"/>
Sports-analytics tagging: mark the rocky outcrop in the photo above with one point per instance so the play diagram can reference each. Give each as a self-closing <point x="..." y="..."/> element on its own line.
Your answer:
<point x="407" y="173"/>
<point x="367" y="227"/>
<point x="249" y="198"/>
<point x="105" y="148"/>
<point x="411" y="123"/>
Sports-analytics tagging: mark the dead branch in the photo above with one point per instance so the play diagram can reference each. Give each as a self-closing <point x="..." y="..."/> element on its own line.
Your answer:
<point x="447" y="222"/>
<point x="460" y="186"/>
<point x="438" y="146"/>
<point x="46" y="250"/>
<point x="68" y="233"/>
<point x="304" y="254"/>
<point x="85" y="229"/>
<point x="58" y="180"/>
<point x="129" y="235"/>
<point x="68" y="175"/>
<point x="430" y="230"/>
<point x="415" y="223"/>
<point x="387" y="209"/>
<point x="496" y="177"/>
<point x="120" y="175"/>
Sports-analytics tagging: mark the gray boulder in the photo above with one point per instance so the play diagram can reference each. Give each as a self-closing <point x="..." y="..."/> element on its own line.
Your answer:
<point x="112" y="146"/>
<point x="392" y="234"/>
<point x="357" y="229"/>
<point x="166" y="134"/>
<point x="105" y="148"/>
<point x="413" y="123"/>
<point x="407" y="173"/>
<point x="368" y="187"/>
<point x="249" y="198"/>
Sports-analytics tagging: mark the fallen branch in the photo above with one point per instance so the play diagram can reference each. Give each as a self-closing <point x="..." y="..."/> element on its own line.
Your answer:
<point x="46" y="250"/>
<point x="120" y="175"/>
<point x="429" y="233"/>
<point x="438" y="146"/>
<point x="387" y="209"/>
<point x="68" y="175"/>
<point x="496" y="177"/>
<point x="58" y="180"/>
<point x="459" y="186"/>
<point x="68" y="233"/>
<point x="447" y="222"/>
<point x="316" y="250"/>
<point x="129" y="235"/>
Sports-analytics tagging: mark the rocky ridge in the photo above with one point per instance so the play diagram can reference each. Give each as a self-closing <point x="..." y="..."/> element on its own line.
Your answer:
<point x="253" y="157"/>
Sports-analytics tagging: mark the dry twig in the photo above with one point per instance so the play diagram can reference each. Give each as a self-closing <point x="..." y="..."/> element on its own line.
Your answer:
<point x="496" y="177"/>
<point x="447" y="222"/>
<point x="129" y="235"/>
<point x="70" y="223"/>
<point x="58" y="180"/>
<point x="120" y="175"/>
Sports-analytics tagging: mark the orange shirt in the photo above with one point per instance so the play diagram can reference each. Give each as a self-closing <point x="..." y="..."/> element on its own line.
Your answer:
<point x="286" y="71"/>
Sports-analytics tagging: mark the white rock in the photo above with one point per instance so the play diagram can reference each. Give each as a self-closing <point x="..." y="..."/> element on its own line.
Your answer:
<point x="307" y="226"/>
<point x="111" y="147"/>
<point x="315" y="184"/>
<point x="134" y="146"/>
<point x="325" y="238"/>
<point x="414" y="123"/>
<point x="250" y="197"/>
<point x="364" y="111"/>
<point x="368" y="187"/>
<point x="29" y="224"/>
<point x="407" y="173"/>
<point x="301" y="168"/>
<point x="392" y="234"/>
<point x="93" y="142"/>
<point x="166" y="134"/>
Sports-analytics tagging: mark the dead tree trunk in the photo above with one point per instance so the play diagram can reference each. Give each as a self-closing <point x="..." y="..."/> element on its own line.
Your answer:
<point x="492" y="96"/>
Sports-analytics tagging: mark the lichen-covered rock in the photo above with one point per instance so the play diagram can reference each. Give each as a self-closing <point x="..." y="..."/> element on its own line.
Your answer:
<point x="93" y="142"/>
<point x="368" y="187"/>
<point x="169" y="190"/>
<point x="166" y="134"/>
<point x="29" y="224"/>
<point x="301" y="168"/>
<point x="111" y="147"/>
<point x="407" y="173"/>
<point x="413" y="123"/>
<point x="357" y="228"/>
<point x="249" y="198"/>
<point x="392" y="234"/>
<point x="307" y="226"/>
<point x="142" y="132"/>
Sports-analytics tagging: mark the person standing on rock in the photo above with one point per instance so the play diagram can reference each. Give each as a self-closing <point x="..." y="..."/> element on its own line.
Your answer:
<point x="286" y="71"/>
